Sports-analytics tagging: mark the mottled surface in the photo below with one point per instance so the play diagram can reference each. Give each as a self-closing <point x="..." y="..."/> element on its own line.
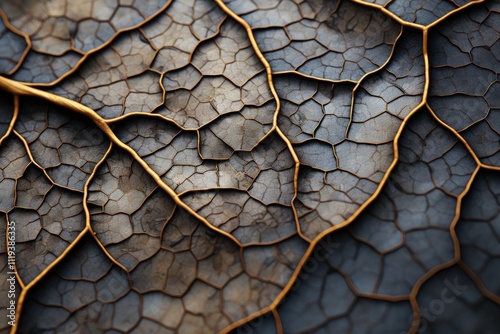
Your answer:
<point x="251" y="166"/>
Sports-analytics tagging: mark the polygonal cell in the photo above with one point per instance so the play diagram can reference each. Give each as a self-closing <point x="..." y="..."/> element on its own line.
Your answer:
<point x="245" y="217"/>
<point x="224" y="77"/>
<point x="85" y="293"/>
<point x="230" y="247"/>
<point x="12" y="49"/>
<point x="46" y="230"/>
<point x="422" y="12"/>
<point x="67" y="146"/>
<point x="116" y="80"/>
<point x="335" y="40"/>
<point x="134" y="209"/>
<point x="451" y="292"/>
<point x="63" y="32"/>
<point x="464" y="47"/>
<point x="13" y="162"/>
<point x="177" y="32"/>
<point x="478" y="229"/>
<point x="406" y="231"/>
<point x="344" y="146"/>
<point x="184" y="247"/>
<point x="324" y="301"/>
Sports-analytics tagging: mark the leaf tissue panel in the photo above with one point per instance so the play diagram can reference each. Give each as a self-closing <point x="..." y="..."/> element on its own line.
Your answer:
<point x="247" y="166"/>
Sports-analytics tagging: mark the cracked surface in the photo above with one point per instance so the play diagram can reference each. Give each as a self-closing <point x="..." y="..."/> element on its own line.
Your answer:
<point x="337" y="133"/>
<point x="335" y="40"/>
<point x="61" y="33"/>
<point x="249" y="166"/>
<point x="480" y="221"/>
<point x="467" y="47"/>
<point x="421" y="12"/>
<point x="48" y="217"/>
<point x="377" y="262"/>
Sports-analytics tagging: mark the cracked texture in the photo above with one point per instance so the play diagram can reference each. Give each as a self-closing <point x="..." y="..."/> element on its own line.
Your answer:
<point x="462" y="48"/>
<point x="191" y="263"/>
<point x="338" y="135"/>
<point x="478" y="229"/>
<point x="422" y="12"/>
<point x="452" y="292"/>
<point x="389" y="247"/>
<point x="248" y="194"/>
<point x="13" y="47"/>
<point x="62" y="33"/>
<point x="335" y="40"/>
<point x="250" y="166"/>
<point x="48" y="217"/>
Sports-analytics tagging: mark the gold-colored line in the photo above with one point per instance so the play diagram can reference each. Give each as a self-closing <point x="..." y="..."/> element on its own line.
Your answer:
<point x="444" y="17"/>
<point x="320" y="236"/>
<point x="295" y="185"/>
<point x="145" y="114"/>
<point x="390" y="14"/>
<point x="88" y="226"/>
<point x="490" y="167"/>
<point x="479" y="284"/>
<point x="387" y="12"/>
<point x="275" y="127"/>
<point x="453" y="233"/>
<point x="24" y="89"/>
<point x="456" y="257"/>
<point x="94" y="50"/>
<point x="462" y="140"/>
<point x="459" y="137"/>
<point x="16" y="87"/>
<point x="312" y="77"/>
<point x="259" y="54"/>
<point x="416" y="288"/>
<point x="42" y="274"/>
<point x="68" y="249"/>
<point x="20" y="302"/>
<point x="30" y="156"/>
<point x="355" y="89"/>
<point x="468" y="147"/>
<point x="425" y="51"/>
<point x="18" y="32"/>
<point x="15" y="114"/>
<point x="277" y="322"/>
<point x="373" y="295"/>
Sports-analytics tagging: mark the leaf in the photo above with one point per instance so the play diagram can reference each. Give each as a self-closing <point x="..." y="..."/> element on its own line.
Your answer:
<point x="283" y="166"/>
